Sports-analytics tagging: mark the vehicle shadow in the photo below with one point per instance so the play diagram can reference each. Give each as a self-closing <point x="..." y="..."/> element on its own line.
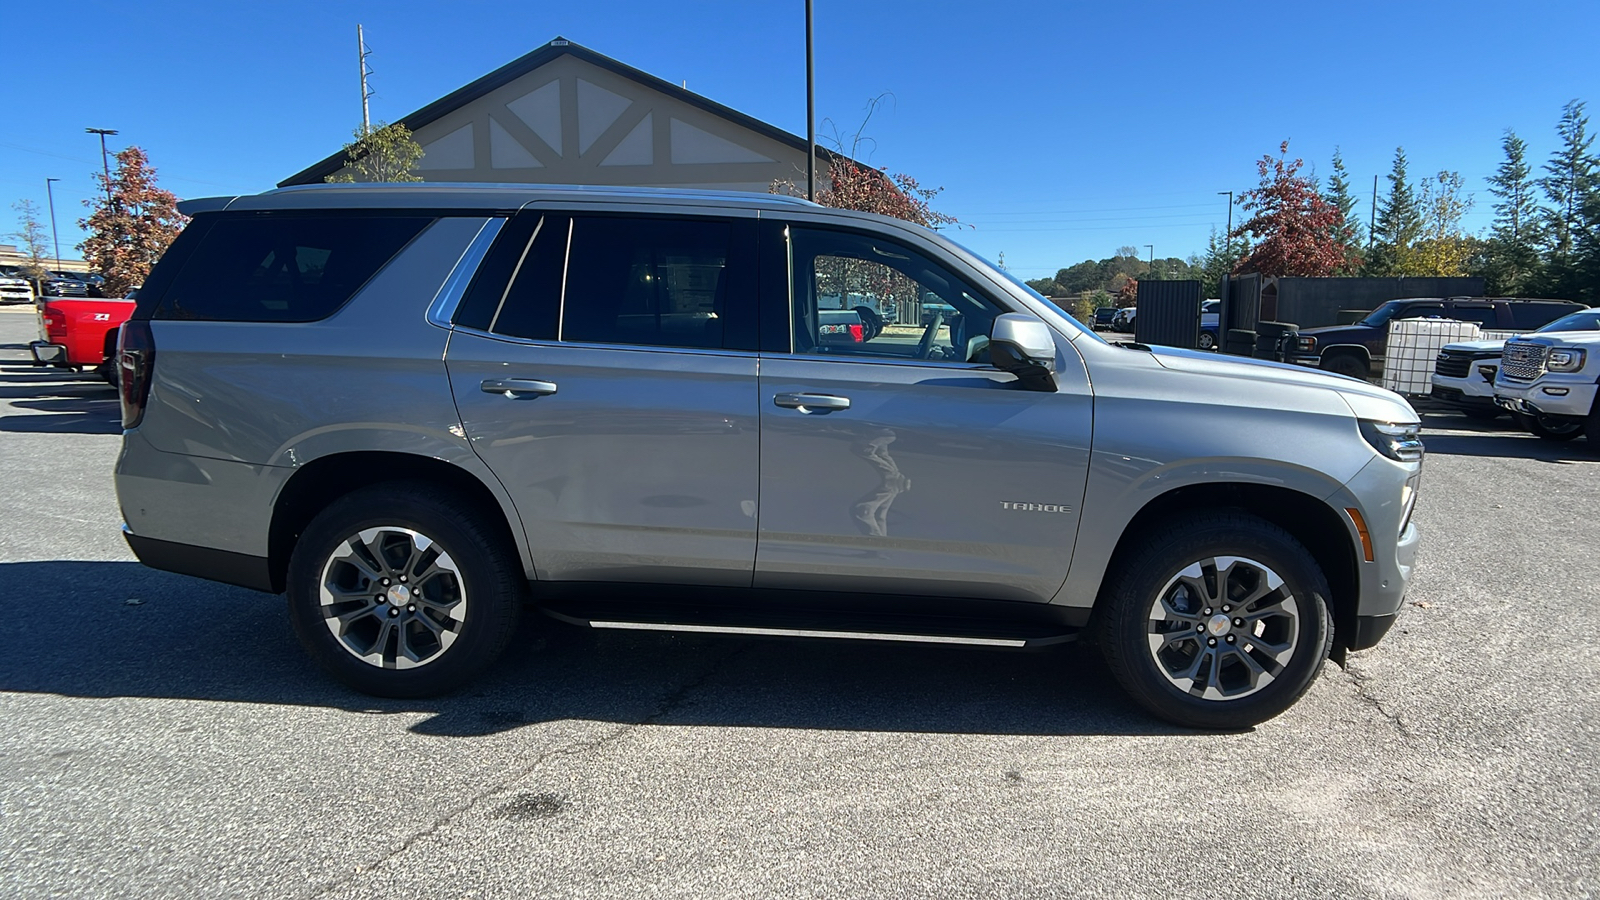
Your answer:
<point x="1497" y="438"/>
<point x="55" y="401"/>
<point x="117" y="629"/>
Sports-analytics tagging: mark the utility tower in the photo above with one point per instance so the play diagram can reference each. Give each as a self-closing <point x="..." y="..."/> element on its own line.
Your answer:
<point x="361" y="57"/>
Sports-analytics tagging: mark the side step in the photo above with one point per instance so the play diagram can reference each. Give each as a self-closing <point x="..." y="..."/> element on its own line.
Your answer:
<point x="836" y="624"/>
<point x="842" y="635"/>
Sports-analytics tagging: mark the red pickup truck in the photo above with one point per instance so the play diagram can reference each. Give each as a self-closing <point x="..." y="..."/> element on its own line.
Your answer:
<point x="80" y="333"/>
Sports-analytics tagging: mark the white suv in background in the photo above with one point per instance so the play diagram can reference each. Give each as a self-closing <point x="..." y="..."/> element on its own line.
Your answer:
<point x="1464" y="373"/>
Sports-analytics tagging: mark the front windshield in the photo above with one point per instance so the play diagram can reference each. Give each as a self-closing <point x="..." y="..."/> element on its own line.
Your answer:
<point x="1382" y="314"/>
<point x="1584" y="320"/>
<point x="1031" y="292"/>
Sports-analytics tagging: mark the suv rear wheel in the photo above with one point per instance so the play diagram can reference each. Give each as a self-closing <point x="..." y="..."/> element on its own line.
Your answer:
<point x="398" y="591"/>
<point x="1219" y="620"/>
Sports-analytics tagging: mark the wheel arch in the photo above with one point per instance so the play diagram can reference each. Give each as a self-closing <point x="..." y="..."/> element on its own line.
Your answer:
<point x="1316" y="525"/>
<point x="325" y="479"/>
<point x="1359" y="351"/>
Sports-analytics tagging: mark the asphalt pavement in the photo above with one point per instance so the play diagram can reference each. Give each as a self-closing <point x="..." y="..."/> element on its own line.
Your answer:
<point x="165" y="737"/>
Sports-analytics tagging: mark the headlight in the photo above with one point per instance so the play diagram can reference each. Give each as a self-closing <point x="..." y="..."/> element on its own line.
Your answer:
<point x="1308" y="343"/>
<point x="1397" y="440"/>
<point x="1564" y="360"/>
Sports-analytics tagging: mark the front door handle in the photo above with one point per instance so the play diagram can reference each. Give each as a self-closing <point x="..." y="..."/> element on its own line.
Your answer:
<point x="811" y="403"/>
<point x="518" y="387"/>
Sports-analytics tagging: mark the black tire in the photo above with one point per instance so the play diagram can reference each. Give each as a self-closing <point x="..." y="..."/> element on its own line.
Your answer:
<point x="1559" y="430"/>
<point x="1591" y="428"/>
<point x="484" y="578"/>
<point x="1143" y="577"/>
<point x="1347" y="364"/>
<point x="1208" y="341"/>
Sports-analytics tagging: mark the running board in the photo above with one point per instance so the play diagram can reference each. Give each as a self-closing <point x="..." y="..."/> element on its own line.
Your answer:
<point x="841" y="635"/>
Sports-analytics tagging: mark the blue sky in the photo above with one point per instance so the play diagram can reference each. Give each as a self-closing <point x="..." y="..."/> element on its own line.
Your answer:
<point x="1060" y="131"/>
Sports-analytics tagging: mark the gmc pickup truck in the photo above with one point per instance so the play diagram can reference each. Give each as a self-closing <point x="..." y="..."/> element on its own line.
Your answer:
<point x="79" y="333"/>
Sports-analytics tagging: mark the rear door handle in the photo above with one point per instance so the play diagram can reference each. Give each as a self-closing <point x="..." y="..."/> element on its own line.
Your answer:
<point x="518" y="387"/>
<point x="811" y="403"/>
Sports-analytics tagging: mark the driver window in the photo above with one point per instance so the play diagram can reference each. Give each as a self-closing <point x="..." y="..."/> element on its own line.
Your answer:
<point x="858" y="295"/>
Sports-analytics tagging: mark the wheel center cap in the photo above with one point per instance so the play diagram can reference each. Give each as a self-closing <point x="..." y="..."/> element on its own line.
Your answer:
<point x="1218" y="625"/>
<point x="400" y="595"/>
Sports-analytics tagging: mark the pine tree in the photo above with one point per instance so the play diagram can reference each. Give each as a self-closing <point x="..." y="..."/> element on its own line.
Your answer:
<point x="1570" y="182"/>
<point x="1399" y="224"/>
<point x="132" y="227"/>
<point x="1512" y="254"/>
<point x="1348" y="232"/>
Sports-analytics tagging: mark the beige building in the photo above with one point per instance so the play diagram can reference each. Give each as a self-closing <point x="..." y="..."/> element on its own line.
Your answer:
<point x="565" y="114"/>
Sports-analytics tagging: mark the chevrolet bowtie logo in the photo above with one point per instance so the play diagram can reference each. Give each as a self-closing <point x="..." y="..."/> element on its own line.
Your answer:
<point x="1036" y="507"/>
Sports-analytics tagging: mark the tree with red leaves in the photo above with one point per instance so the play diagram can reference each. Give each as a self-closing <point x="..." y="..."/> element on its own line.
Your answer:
<point x="129" y="230"/>
<point x="1294" y="231"/>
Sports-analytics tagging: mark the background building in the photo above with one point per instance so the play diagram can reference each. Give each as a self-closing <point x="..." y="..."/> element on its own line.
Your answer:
<point x="565" y="114"/>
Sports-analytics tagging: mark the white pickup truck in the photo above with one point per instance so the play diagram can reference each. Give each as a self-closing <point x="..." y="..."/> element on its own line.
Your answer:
<point x="1549" y="382"/>
<point x="1464" y="374"/>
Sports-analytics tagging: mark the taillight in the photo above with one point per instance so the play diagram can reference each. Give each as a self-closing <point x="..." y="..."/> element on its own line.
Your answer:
<point x="136" y="362"/>
<point x="858" y="333"/>
<point x="54" y="322"/>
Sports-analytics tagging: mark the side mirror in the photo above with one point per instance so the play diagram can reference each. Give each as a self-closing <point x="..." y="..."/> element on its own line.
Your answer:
<point x="1024" y="346"/>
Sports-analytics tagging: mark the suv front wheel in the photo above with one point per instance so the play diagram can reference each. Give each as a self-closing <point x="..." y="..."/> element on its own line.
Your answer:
<point x="399" y="591"/>
<point x="1218" y="621"/>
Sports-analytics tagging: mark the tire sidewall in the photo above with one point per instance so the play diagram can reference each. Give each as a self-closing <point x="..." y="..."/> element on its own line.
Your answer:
<point x="1125" y="627"/>
<point x="476" y="644"/>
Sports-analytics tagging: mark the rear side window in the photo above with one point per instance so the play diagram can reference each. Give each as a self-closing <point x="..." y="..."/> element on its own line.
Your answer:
<point x="1485" y="316"/>
<point x="283" y="268"/>
<point x="1527" y="316"/>
<point x="651" y="282"/>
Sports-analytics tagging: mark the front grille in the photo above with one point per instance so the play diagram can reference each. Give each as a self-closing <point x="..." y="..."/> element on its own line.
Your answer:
<point x="1454" y="364"/>
<point x="1523" y="361"/>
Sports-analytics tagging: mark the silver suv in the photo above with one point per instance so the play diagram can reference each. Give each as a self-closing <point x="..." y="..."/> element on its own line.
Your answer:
<point x="417" y="410"/>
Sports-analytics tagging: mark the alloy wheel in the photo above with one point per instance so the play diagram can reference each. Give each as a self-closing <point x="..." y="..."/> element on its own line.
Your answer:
<point x="1223" y="628"/>
<point x="392" y="597"/>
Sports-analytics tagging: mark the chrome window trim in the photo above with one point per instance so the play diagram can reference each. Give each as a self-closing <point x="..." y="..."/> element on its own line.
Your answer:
<point x="634" y="348"/>
<point x="890" y="360"/>
<point x="515" y="271"/>
<point x="716" y="351"/>
<point x="443" y="307"/>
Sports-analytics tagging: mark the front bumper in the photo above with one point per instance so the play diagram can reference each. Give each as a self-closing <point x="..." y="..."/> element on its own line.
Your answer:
<point x="1550" y="395"/>
<point x="48" y="354"/>
<point x="1379" y="493"/>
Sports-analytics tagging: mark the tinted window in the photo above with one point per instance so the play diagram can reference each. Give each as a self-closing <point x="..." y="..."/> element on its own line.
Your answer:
<point x="860" y="295"/>
<point x="517" y="289"/>
<point x="1483" y="315"/>
<point x="653" y="282"/>
<point x="1534" y="315"/>
<point x="284" y="268"/>
<point x="1422" y="311"/>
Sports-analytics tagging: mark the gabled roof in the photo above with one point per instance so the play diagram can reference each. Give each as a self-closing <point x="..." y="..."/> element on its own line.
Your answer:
<point x="527" y="63"/>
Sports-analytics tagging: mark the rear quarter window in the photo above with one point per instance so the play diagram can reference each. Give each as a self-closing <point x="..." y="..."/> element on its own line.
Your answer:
<point x="283" y="268"/>
<point x="1528" y="316"/>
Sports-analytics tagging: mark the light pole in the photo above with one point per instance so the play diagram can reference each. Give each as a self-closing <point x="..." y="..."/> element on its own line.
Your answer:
<point x="1227" y="236"/>
<point x="1152" y="249"/>
<point x="811" y="113"/>
<point x="53" y="237"/>
<point x="104" y="162"/>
